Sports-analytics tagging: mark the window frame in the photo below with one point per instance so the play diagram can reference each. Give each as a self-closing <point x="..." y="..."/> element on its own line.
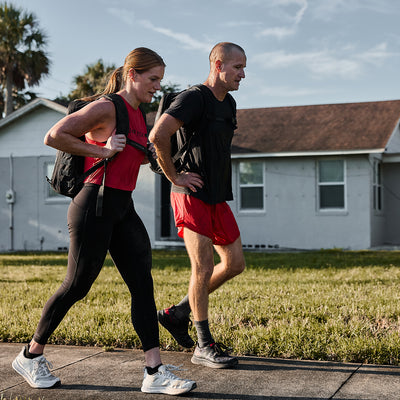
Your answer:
<point x="258" y="185"/>
<point x="326" y="210"/>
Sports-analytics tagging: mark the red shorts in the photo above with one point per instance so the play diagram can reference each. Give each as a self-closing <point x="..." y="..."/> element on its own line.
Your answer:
<point x="215" y="221"/>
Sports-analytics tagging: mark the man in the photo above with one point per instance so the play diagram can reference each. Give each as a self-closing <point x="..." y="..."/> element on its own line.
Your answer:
<point x="199" y="194"/>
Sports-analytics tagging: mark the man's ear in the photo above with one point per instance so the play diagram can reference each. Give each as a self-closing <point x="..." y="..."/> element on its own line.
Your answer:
<point x="218" y="65"/>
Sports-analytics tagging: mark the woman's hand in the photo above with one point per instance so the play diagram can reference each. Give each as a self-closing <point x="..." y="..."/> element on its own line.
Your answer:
<point x="115" y="144"/>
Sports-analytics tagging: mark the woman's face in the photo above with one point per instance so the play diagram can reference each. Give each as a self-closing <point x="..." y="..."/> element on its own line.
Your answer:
<point x="148" y="83"/>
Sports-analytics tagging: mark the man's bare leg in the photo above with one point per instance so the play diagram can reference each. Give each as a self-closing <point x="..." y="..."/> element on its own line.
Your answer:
<point x="201" y="254"/>
<point x="200" y="251"/>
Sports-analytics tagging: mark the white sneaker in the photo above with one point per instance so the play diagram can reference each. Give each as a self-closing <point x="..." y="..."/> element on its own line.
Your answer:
<point x="164" y="381"/>
<point x="35" y="371"/>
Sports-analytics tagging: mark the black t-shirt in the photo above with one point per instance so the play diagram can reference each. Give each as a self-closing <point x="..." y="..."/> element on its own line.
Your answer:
<point x="209" y="153"/>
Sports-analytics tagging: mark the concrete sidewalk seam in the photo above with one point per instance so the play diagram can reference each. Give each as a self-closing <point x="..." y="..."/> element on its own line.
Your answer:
<point x="345" y="382"/>
<point x="78" y="361"/>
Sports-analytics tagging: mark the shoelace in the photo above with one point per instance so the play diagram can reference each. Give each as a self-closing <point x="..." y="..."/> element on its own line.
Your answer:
<point x="42" y="367"/>
<point x="221" y="349"/>
<point x="169" y="368"/>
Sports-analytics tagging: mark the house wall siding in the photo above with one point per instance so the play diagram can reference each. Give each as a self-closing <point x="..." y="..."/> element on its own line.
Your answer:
<point x="24" y="137"/>
<point x="292" y="218"/>
<point x="5" y="242"/>
<point x="38" y="224"/>
<point x="393" y="145"/>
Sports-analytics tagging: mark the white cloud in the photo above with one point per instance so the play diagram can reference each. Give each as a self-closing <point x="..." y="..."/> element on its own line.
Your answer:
<point x="184" y="38"/>
<point x="236" y="24"/>
<point x="281" y="59"/>
<point x="326" y="63"/>
<point x="284" y="31"/>
<point x="299" y="15"/>
<point x="329" y="66"/>
<point x="278" y="32"/>
<point x="124" y="15"/>
<point x="376" y="55"/>
<point x="327" y="9"/>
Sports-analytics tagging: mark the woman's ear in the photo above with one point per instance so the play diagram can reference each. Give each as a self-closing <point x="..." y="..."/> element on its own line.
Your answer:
<point x="132" y="74"/>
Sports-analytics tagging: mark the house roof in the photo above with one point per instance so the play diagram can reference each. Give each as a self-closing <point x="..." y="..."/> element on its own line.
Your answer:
<point x="351" y="127"/>
<point x="328" y="128"/>
<point x="38" y="102"/>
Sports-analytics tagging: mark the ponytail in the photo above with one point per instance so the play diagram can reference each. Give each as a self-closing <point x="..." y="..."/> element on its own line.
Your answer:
<point x="114" y="84"/>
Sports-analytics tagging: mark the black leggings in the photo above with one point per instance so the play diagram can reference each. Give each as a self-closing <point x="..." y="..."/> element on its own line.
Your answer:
<point x="121" y="231"/>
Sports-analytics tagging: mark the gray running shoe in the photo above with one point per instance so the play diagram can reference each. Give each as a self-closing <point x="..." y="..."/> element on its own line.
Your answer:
<point x="177" y="327"/>
<point x="165" y="382"/>
<point x="35" y="371"/>
<point x="213" y="356"/>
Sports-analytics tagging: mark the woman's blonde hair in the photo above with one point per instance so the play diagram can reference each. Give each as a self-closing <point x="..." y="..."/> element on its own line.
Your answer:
<point x="141" y="60"/>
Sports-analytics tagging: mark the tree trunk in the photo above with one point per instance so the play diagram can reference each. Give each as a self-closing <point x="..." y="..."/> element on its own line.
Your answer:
<point x="8" y="100"/>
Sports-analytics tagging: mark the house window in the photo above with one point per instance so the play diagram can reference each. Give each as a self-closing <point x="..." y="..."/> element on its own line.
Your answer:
<point x="377" y="186"/>
<point x="331" y="184"/>
<point x="251" y="183"/>
<point x="50" y="192"/>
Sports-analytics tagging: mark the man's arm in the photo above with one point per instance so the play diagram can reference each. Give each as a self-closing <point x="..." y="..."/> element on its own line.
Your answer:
<point x="160" y="135"/>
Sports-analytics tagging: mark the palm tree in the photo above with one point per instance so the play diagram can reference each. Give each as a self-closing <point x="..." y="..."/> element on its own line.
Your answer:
<point x="93" y="80"/>
<point x="23" y="61"/>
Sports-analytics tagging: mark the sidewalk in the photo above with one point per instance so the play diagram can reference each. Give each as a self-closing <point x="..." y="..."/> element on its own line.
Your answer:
<point x="91" y="373"/>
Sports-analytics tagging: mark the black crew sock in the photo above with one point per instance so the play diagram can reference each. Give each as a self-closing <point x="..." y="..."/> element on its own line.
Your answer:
<point x="151" y="370"/>
<point x="182" y="309"/>
<point x="204" y="336"/>
<point x="27" y="354"/>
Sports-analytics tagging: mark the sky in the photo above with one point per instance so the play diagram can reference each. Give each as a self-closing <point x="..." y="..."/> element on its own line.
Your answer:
<point x="299" y="52"/>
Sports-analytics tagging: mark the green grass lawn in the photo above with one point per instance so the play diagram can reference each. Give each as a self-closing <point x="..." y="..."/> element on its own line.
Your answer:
<point x="325" y="305"/>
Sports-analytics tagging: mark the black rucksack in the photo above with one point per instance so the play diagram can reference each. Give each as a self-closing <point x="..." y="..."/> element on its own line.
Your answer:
<point x="179" y="153"/>
<point x="68" y="174"/>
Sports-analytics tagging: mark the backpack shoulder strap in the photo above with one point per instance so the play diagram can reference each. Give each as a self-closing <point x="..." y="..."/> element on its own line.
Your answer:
<point x="182" y="152"/>
<point x="121" y="113"/>
<point x="122" y="120"/>
<point x="211" y="115"/>
<point x="143" y="113"/>
<point x="76" y="105"/>
<point x="165" y="102"/>
<point x="233" y="105"/>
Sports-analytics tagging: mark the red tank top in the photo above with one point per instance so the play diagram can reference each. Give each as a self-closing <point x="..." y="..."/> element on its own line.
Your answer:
<point x="123" y="169"/>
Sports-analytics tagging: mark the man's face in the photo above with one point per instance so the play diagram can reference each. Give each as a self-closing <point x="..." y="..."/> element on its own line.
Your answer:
<point x="232" y="70"/>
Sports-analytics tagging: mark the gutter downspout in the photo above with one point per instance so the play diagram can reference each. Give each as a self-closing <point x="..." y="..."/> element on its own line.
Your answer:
<point x="10" y="198"/>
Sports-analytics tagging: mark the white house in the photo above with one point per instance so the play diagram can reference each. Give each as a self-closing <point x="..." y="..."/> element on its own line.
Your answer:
<point x="306" y="177"/>
<point x="319" y="176"/>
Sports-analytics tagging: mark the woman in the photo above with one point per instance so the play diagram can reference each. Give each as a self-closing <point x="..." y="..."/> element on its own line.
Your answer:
<point x="118" y="230"/>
